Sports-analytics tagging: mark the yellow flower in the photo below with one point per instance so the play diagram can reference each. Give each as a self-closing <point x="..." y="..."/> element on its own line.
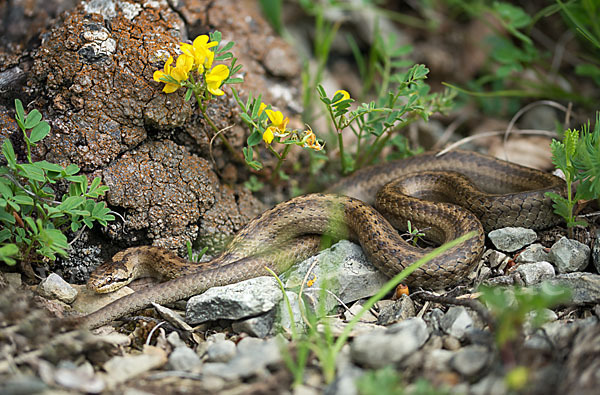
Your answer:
<point x="261" y="108"/>
<point x="268" y="135"/>
<point x="215" y="77"/>
<point x="199" y="50"/>
<point x="278" y="122"/>
<point x="345" y="95"/>
<point x="180" y="72"/>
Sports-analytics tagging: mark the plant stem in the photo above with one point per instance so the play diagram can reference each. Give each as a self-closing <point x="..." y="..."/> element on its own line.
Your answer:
<point x="342" y="158"/>
<point x="281" y="158"/>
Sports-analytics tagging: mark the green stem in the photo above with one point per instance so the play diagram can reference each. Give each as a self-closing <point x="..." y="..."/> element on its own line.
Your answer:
<point x="281" y="158"/>
<point x="341" y="145"/>
<point x="215" y="128"/>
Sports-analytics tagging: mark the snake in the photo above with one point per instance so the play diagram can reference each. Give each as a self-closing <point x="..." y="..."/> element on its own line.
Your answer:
<point x="449" y="195"/>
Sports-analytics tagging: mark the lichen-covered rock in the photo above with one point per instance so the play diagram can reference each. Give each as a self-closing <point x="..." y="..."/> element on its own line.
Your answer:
<point x="92" y="76"/>
<point x="174" y="192"/>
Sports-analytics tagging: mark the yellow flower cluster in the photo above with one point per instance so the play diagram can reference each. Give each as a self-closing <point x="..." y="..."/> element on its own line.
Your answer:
<point x="278" y="128"/>
<point x="198" y="56"/>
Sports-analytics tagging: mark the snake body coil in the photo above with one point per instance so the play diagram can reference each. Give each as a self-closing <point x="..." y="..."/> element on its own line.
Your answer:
<point x="450" y="195"/>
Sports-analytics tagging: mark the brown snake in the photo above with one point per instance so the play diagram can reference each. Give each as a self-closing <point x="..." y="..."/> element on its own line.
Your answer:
<point x="497" y="192"/>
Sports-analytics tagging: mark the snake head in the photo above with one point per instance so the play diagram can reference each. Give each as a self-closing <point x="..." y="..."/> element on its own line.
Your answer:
<point x="113" y="275"/>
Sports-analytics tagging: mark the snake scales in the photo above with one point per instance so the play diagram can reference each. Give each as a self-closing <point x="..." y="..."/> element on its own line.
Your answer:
<point x="497" y="192"/>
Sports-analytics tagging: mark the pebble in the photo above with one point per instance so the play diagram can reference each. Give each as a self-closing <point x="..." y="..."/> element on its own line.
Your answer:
<point x="220" y="351"/>
<point x="253" y="357"/>
<point x="259" y="326"/>
<point x="596" y="251"/>
<point x="533" y="253"/>
<point x="533" y="273"/>
<point x="121" y="369"/>
<point x="383" y="347"/>
<point x="184" y="359"/>
<point x="569" y="255"/>
<point x="81" y="378"/>
<point x="456" y="321"/>
<point x="235" y="301"/>
<point x="496" y="259"/>
<point x="54" y="287"/>
<point x="489" y="385"/>
<point x="470" y="360"/>
<point x="438" y="360"/>
<point x="343" y="269"/>
<point x="512" y="238"/>
<point x="400" y="310"/>
<point x="585" y="287"/>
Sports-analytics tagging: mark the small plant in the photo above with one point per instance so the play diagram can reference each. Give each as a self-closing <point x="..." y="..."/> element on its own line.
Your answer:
<point x="373" y="123"/>
<point x="322" y="342"/>
<point x="33" y="221"/>
<point x="414" y="234"/>
<point x="511" y="308"/>
<point x="270" y="126"/>
<point x="194" y="70"/>
<point x="578" y="157"/>
<point x="192" y="257"/>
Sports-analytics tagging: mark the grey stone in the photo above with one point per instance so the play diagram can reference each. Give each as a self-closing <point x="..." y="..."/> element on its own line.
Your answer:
<point x="512" y="238"/>
<point x="438" y="360"/>
<point x="184" y="359"/>
<point x="496" y="258"/>
<point x="235" y="301"/>
<point x="533" y="273"/>
<point x="220" y="351"/>
<point x="284" y="320"/>
<point x="433" y="319"/>
<point x="596" y="251"/>
<point x="456" y="321"/>
<point x="534" y="253"/>
<point x="490" y="385"/>
<point x="402" y="309"/>
<point x="172" y="317"/>
<point x="253" y="358"/>
<point x="54" y="287"/>
<point x="383" y="347"/>
<point x="259" y="326"/>
<point x="174" y="340"/>
<point x="500" y="281"/>
<point x="561" y="334"/>
<point x="585" y="287"/>
<point x="345" y="382"/>
<point x="343" y="269"/>
<point x="470" y="360"/>
<point x="355" y="309"/>
<point x="542" y="316"/>
<point x="569" y="255"/>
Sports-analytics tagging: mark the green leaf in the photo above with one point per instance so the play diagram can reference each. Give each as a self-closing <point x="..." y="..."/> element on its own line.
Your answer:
<point x="71" y="203"/>
<point x="188" y="94"/>
<point x="23" y="200"/>
<point x="9" y="153"/>
<point x="33" y="118"/>
<point x="236" y="80"/>
<point x="20" y="112"/>
<point x="246" y="118"/>
<point x="6" y="217"/>
<point x="215" y="36"/>
<point x="7" y="252"/>
<point x="254" y="138"/>
<point x="71" y="170"/>
<point x="31" y="171"/>
<point x="5" y="191"/>
<point x="50" y="166"/>
<point x="39" y="132"/>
